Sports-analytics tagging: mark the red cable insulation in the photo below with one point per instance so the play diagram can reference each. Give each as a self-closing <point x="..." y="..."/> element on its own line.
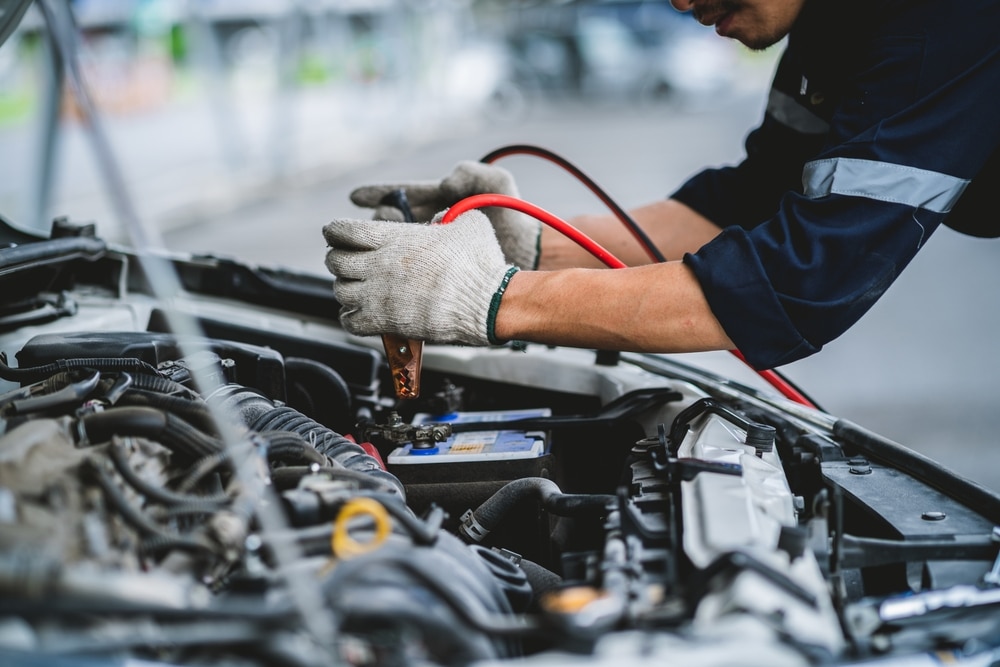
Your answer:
<point x="505" y="201"/>
<point x="631" y="225"/>
<point x="601" y="253"/>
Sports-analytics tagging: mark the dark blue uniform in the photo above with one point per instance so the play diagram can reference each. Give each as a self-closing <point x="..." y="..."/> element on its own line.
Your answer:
<point x="883" y="122"/>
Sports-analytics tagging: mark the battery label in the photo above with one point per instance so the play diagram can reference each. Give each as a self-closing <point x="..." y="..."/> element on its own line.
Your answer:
<point x="485" y="445"/>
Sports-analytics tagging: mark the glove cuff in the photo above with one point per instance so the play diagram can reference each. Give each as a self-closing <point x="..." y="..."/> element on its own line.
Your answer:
<point x="521" y="240"/>
<point x="491" y="314"/>
<point x="538" y="248"/>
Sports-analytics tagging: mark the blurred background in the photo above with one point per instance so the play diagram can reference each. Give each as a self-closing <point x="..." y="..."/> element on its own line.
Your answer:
<point x="207" y="101"/>
<point x="239" y="128"/>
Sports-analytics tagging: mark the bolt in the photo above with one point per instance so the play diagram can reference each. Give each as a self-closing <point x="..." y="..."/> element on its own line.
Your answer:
<point x="859" y="466"/>
<point x="933" y="516"/>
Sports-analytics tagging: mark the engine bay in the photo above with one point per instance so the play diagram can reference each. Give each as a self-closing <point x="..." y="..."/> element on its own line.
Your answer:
<point x="227" y="478"/>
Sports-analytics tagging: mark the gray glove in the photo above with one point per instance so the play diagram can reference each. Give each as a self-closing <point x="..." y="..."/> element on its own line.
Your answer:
<point x="519" y="234"/>
<point x="432" y="282"/>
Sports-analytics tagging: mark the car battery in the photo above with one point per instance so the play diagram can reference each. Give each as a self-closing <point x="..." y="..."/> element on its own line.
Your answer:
<point x="471" y="465"/>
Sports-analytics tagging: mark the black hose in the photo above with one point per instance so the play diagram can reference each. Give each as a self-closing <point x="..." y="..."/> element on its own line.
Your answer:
<point x="194" y="412"/>
<point x="158" y="493"/>
<point x="159" y="545"/>
<point x="541" y="579"/>
<point x="341" y="451"/>
<point x="172" y="432"/>
<point x="481" y="522"/>
<point x="135" y="517"/>
<point x="423" y="531"/>
<point x="53" y="397"/>
<point x="200" y="469"/>
<point x="291" y="448"/>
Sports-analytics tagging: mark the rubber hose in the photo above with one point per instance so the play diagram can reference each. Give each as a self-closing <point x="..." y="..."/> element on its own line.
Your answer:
<point x="340" y="450"/>
<point x="195" y="413"/>
<point x="160" y="545"/>
<point x="488" y="515"/>
<point x="291" y="448"/>
<point x="201" y="469"/>
<point x="541" y="579"/>
<point x="423" y="531"/>
<point x="172" y="432"/>
<point x="135" y="517"/>
<point x="158" y="493"/>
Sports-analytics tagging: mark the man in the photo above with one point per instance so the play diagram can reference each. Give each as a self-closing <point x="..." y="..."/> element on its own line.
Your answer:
<point x="882" y="123"/>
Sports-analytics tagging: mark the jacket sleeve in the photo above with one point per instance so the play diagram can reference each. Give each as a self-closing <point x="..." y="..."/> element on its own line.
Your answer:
<point x="818" y="224"/>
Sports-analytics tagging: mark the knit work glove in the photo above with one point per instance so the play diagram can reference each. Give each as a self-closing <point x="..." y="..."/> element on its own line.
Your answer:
<point x="519" y="234"/>
<point x="431" y="282"/>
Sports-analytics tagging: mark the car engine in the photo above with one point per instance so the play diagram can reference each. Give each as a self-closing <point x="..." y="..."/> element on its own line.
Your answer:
<point x="225" y="477"/>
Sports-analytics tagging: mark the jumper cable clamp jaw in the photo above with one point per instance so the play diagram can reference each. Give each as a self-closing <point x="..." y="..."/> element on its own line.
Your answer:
<point x="404" y="355"/>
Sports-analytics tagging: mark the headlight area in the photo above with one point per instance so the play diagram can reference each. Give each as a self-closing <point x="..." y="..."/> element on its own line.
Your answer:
<point x="260" y="497"/>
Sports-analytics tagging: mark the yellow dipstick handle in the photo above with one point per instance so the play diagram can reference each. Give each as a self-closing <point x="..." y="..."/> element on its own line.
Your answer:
<point x="341" y="542"/>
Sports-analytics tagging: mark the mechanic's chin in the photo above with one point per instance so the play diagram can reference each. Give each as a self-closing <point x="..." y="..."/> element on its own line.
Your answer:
<point x="754" y="39"/>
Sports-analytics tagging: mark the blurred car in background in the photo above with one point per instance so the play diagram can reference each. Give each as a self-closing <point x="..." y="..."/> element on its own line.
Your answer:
<point x="642" y="51"/>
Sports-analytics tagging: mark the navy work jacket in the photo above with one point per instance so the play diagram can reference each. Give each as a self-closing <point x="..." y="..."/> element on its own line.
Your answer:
<point x="883" y="122"/>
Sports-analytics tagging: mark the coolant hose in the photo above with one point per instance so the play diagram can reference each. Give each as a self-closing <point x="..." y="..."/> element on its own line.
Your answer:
<point x="541" y="579"/>
<point x="476" y="525"/>
<point x="340" y="450"/>
<point x="169" y="430"/>
<point x="194" y="412"/>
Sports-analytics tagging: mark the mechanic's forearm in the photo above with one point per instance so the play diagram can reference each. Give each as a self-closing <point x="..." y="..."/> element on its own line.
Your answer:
<point x="657" y="308"/>
<point x="672" y="226"/>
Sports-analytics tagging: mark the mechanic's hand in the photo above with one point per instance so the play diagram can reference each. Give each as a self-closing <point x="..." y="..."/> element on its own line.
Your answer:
<point x="430" y="282"/>
<point x="519" y="234"/>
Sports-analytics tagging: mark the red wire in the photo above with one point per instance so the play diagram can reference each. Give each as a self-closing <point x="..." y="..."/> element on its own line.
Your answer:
<point x="778" y="382"/>
<point x="597" y="250"/>
<point x="633" y="227"/>
<point x="481" y="201"/>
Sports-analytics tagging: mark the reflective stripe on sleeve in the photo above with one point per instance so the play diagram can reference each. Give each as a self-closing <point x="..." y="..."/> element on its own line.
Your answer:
<point x="882" y="181"/>
<point x="784" y="109"/>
